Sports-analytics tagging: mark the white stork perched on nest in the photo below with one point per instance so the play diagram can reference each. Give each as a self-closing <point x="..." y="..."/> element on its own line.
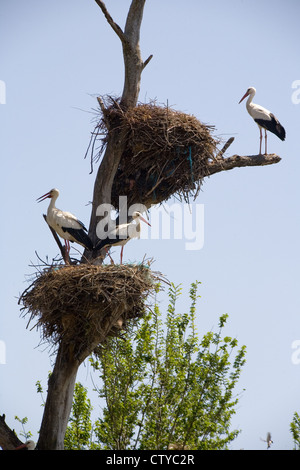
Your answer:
<point x="263" y="118"/>
<point x="65" y="224"/>
<point x="120" y="235"/>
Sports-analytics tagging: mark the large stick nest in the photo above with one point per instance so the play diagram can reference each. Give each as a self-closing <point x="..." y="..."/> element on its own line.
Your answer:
<point x="166" y="152"/>
<point x="82" y="304"/>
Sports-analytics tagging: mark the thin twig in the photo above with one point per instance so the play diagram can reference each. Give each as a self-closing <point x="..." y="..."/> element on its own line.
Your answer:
<point x="147" y="60"/>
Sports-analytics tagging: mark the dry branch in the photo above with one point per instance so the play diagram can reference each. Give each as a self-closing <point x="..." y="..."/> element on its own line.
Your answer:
<point x="238" y="161"/>
<point x="110" y="21"/>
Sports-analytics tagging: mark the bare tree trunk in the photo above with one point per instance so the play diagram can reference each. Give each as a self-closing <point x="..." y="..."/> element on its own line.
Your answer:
<point x="133" y="66"/>
<point x="59" y="400"/>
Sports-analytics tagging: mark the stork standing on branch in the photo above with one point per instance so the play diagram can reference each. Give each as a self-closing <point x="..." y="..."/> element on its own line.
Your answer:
<point x="65" y="224"/>
<point x="263" y="118"/>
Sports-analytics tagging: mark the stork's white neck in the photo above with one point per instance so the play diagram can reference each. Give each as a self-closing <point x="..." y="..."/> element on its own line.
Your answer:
<point x="249" y="100"/>
<point x="52" y="202"/>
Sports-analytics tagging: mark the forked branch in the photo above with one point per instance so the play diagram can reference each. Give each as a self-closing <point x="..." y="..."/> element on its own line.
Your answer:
<point x="238" y="161"/>
<point x="110" y="21"/>
<point x="219" y="163"/>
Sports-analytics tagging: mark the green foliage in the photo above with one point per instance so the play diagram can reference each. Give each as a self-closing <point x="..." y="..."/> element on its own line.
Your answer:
<point x="295" y="430"/>
<point x="23" y="421"/>
<point x="161" y="385"/>
<point x="78" y="433"/>
<point x="39" y="389"/>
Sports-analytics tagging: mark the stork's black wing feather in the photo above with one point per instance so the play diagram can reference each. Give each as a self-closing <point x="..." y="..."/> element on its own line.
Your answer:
<point x="82" y="225"/>
<point x="106" y="242"/>
<point x="80" y="236"/>
<point x="272" y="125"/>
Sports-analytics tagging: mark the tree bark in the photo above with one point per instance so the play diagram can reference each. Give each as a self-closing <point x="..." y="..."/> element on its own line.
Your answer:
<point x="59" y="400"/>
<point x="8" y="437"/>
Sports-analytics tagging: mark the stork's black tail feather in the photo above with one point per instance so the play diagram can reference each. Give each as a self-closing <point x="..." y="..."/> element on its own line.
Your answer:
<point x="103" y="243"/>
<point x="280" y="131"/>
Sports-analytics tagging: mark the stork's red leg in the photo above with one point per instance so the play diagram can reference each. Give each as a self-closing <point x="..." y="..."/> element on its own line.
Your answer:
<point x="122" y="253"/>
<point x="67" y="251"/>
<point x="265" y="142"/>
<point x="107" y="252"/>
<point x="68" y="247"/>
<point x="260" y="139"/>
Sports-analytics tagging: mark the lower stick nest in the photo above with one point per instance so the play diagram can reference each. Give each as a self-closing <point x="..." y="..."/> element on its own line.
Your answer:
<point x="83" y="304"/>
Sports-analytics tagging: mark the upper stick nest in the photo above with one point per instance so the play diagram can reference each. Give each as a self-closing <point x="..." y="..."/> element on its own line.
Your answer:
<point x="166" y="152"/>
<point x="81" y="303"/>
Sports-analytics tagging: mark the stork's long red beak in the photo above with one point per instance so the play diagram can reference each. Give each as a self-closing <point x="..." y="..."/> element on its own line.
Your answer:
<point x="245" y="95"/>
<point x="22" y="446"/>
<point x="144" y="220"/>
<point x="45" y="196"/>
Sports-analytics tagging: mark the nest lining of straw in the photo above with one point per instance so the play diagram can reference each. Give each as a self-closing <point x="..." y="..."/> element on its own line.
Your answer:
<point x="78" y="303"/>
<point x="166" y="152"/>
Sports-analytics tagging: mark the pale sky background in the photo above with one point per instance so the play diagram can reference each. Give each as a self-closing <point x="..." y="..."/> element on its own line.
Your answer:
<point x="56" y="57"/>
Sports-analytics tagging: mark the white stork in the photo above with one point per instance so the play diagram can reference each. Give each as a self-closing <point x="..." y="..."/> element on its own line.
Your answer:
<point x="120" y="235"/>
<point x="263" y="118"/>
<point x="29" y="445"/>
<point x="65" y="224"/>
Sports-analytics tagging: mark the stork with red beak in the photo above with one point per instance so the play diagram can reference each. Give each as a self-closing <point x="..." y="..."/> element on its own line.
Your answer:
<point x="29" y="445"/>
<point x="263" y="118"/>
<point x="120" y="235"/>
<point x="65" y="224"/>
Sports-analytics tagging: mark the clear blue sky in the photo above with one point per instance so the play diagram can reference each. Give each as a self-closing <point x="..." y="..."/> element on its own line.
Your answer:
<point x="56" y="57"/>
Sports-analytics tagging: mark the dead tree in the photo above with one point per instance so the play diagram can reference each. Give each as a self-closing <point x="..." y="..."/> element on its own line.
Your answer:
<point x="62" y="381"/>
<point x="70" y="356"/>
